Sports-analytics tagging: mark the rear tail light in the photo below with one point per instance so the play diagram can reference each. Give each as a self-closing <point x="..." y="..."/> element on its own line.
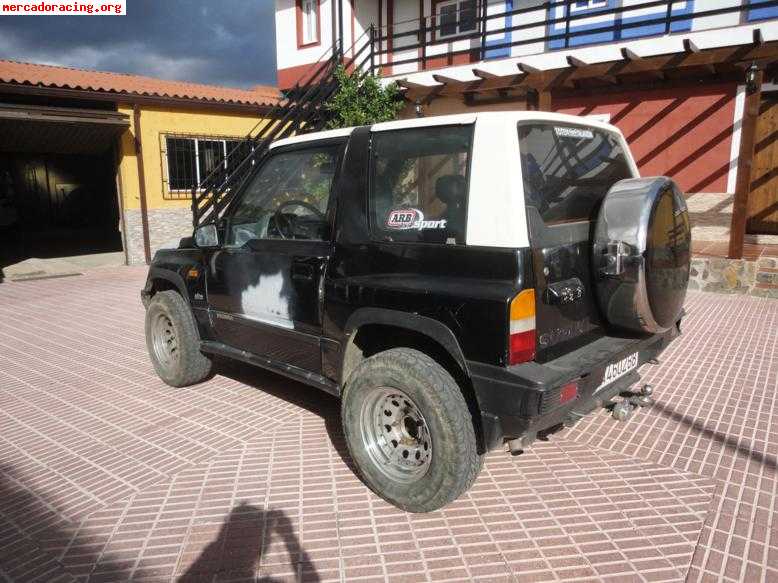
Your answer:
<point x="521" y="345"/>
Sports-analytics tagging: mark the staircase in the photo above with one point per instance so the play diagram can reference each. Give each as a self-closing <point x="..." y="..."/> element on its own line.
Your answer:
<point x="302" y="110"/>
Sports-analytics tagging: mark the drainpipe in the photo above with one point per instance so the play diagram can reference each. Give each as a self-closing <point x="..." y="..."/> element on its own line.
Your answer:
<point x="342" y="31"/>
<point x="144" y="211"/>
<point x="334" y="25"/>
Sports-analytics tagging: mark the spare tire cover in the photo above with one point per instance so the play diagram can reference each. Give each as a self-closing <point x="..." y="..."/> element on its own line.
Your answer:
<point x="642" y="254"/>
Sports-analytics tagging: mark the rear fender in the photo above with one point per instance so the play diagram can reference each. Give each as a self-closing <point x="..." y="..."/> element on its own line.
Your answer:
<point x="433" y="329"/>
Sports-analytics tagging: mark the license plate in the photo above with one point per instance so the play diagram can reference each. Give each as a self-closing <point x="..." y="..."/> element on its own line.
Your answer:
<point x="616" y="370"/>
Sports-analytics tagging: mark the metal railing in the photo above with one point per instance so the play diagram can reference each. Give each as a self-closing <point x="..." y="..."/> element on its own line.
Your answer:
<point x="304" y="109"/>
<point x="558" y="32"/>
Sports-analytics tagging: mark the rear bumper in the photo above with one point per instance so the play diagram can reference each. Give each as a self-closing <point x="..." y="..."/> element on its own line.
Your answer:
<point x="524" y="399"/>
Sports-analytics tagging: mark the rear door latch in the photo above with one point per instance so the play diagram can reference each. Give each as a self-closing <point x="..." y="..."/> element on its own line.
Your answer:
<point x="564" y="292"/>
<point x="616" y="256"/>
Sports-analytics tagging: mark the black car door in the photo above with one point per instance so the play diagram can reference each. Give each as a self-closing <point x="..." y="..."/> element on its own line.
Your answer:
<point x="265" y="281"/>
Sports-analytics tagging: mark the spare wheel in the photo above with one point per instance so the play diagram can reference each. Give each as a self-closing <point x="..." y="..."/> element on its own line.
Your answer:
<point x="642" y="254"/>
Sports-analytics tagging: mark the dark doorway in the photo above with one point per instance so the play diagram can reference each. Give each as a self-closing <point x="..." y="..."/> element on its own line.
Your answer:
<point x="57" y="205"/>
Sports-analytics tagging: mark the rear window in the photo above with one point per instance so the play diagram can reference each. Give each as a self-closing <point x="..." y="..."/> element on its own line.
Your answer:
<point x="568" y="169"/>
<point x="419" y="184"/>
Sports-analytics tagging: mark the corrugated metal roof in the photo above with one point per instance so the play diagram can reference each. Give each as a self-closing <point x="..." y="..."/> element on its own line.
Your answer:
<point x="13" y="72"/>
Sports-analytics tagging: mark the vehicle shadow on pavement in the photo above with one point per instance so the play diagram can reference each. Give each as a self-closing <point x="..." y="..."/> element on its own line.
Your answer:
<point x="244" y="538"/>
<point x="727" y="441"/>
<point x="309" y="398"/>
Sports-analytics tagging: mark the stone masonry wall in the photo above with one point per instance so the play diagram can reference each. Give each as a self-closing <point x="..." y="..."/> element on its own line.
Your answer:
<point x="735" y="276"/>
<point x="166" y="227"/>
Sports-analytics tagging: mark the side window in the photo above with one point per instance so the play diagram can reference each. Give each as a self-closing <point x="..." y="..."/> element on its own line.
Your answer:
<point x="419" y="184"/>
<point x="288" y="198"/>
<point x="456" y="17"/>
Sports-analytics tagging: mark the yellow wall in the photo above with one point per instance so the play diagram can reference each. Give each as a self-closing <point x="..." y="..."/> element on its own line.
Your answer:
<point x="451" y="105"/>
<point x="155" y="122"/>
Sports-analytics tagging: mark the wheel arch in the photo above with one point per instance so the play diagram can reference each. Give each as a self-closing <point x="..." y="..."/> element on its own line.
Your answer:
<point x="372" y="330"/>
<point x="160" y="279"/>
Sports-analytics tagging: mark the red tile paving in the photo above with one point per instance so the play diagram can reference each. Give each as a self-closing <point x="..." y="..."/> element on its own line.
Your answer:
<point x="106" y="474"/>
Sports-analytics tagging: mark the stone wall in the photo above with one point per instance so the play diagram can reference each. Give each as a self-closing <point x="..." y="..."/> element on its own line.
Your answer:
<point x="166" y="228"/>
<point x="735" y="276"/>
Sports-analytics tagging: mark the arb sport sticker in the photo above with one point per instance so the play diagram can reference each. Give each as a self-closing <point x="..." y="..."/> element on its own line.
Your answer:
<point x="409" y="219"/>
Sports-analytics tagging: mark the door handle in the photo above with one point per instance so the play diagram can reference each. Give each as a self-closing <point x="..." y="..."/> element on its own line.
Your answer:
<point x="302" y="272"/>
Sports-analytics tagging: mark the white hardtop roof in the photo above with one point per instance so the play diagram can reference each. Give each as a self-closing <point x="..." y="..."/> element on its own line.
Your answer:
<point x="458" y="119"/>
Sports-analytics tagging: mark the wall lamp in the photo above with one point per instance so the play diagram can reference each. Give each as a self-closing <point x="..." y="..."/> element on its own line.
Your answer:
<point x="751" y="74"/>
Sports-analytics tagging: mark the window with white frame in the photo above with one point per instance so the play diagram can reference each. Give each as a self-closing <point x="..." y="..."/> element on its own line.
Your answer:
<point x="309" y="25"/>
<point x="190" y="160"/>
<point x="455" y="17"/>
<point x="588" y="5"/>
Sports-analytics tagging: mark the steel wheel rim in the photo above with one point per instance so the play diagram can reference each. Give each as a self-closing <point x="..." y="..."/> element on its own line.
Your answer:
<point x="396" y="435"/>
<point x="164" y="340"/>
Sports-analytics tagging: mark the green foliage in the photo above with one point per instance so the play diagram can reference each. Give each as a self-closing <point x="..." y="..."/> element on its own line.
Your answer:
<point x="361" y="100"/>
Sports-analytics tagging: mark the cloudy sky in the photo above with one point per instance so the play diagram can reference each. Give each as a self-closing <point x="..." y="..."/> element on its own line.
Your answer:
<point x="224" y="42"/>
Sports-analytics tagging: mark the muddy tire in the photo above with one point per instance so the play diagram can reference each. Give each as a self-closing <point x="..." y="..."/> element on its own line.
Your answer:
<point x="173" y="341"/>
<point x="409" y="430"/>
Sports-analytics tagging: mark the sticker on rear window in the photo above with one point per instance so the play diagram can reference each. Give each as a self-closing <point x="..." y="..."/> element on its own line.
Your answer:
<point x="411" y="219"/>
<point x="578" y="133"/>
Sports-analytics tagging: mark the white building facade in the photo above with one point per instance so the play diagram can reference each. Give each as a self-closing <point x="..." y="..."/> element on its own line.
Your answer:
<point x="687" y="128"/>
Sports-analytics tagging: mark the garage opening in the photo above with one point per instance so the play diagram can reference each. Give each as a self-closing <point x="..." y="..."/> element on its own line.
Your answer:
<point x="58" y="196"/>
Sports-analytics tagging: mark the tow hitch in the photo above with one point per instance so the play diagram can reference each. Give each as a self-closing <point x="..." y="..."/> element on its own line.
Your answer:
<point x="623" y="410"/>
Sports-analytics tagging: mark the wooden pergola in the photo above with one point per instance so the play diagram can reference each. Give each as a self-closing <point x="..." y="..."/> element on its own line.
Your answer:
<point x="750" y="64"/>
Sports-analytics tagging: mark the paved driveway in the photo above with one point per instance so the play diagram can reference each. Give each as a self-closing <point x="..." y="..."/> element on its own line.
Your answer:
<point x="106" y="474"/>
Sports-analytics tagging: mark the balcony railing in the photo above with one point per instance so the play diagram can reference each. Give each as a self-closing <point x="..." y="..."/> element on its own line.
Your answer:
<point x="555" y="25"/>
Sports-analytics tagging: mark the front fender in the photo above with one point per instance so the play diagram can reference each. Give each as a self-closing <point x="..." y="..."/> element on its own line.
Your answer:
<point x="160" y="273"/>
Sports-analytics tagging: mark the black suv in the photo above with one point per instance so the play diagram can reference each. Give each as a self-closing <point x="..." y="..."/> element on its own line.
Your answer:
<point x="459" y="282"/>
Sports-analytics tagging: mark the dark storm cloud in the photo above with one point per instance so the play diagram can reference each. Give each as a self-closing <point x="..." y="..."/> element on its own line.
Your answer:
<point x="224" y="42"/>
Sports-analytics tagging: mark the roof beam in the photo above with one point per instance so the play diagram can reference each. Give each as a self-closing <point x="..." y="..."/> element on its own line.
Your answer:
<point x="630" y="55"/>
<point x="528" y="69"/>
<point x="481" y="74"/>
<point x="424" y="94"/>
<point x="629" y="69"/>
<point x="449" y="80"/>
<point x="576" y="62"/>
<point x="689" y="46"/>
<point x="647" y="65"/>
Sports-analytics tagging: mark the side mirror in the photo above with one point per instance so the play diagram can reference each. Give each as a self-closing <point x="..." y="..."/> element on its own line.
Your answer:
<point x="207" y="237"/>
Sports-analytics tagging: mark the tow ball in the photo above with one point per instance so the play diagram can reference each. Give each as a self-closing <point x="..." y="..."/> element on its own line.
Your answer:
<point x="623" y="410"/>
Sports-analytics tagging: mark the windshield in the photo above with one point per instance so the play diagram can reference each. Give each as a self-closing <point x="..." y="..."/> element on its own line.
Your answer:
<point x="568" y="169"/>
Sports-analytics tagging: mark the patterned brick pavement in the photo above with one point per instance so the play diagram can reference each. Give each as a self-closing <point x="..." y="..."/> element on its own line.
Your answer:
<point x="106" y="474"/>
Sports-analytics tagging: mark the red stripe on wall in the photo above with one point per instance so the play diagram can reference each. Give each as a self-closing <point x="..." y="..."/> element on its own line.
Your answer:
<point x="681" y="132"/>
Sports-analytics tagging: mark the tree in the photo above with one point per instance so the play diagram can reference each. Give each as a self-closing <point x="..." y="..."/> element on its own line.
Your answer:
<point x="362" y="100"/>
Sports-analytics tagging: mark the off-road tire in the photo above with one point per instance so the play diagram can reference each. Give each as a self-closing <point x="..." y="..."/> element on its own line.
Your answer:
<point x="455" y="461"/>
<point x="189" y="366"/>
